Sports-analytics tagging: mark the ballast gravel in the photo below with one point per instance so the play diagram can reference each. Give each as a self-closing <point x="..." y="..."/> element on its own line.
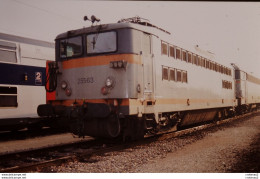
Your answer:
<point x="231" y="147"/>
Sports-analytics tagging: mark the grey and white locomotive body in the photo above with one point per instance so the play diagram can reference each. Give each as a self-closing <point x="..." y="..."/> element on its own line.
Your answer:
<point x="130" y="78"/>
<point x="189" y="82"/>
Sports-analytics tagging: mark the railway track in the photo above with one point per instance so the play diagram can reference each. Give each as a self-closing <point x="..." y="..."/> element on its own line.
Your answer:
<point x="38" y="160"/>
<point x="25" y="134"/>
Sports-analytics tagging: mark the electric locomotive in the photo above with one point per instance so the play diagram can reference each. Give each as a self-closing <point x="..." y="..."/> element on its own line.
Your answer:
<point x="130" y="78"/>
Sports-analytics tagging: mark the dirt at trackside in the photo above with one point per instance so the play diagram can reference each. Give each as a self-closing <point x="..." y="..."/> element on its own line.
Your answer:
<point x="232" y="149"/>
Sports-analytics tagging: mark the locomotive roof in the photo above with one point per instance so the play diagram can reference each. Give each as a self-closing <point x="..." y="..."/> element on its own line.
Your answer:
<point x="149" y="28"/>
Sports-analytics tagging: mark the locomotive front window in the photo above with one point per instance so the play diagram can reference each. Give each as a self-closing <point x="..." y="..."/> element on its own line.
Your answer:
<point x="71" y="47"/>
<point x="101" y="42"/>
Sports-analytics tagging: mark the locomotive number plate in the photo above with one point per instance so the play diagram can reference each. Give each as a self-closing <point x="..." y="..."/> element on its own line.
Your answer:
<point x="85" y="80"/>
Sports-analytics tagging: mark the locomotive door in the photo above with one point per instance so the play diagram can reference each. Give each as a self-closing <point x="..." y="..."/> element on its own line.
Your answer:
<point x="147" y="66"/>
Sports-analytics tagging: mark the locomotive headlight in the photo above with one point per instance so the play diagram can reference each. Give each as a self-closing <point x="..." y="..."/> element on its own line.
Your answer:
<point x="64" y="85"/>
<point x="109" y="82"/>
<point x="104" y="90"/>
<point x="68" y="91"/>
<point x="115" y="64"/>
<point x="120" y="64"/>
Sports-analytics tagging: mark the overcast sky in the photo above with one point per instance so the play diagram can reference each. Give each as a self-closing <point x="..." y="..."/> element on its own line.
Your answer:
<point x="231" y="30"/>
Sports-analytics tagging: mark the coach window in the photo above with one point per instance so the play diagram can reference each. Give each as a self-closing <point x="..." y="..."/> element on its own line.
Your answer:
<point x="179" y="75"/>
<point x="202" y="62"/>
<point x="229" y="72"/>
<point x="194" y="59"/>
<point x="207" y="64"/>
<point x="226" y="70"/>
<point x="184" y="77"/>
<point x="172" y="51"/>
<point x="184" y="56"/>
<point x="189" y="57"/>
<point x="165" y="75"/>
<point x="178" y="53"/>
<point x="8" y="52"/>
<point x="214" y="66"/>
<point x="217" y="67"/>
<point x="221" y="69"/>
<point x="8" y="96"/>
<point x="199" y="61"/>
<point x="164" y="48"/>
<point x="172" y="74"/>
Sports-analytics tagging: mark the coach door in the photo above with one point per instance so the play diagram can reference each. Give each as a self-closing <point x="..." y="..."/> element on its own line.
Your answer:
<point x="147" y="66"/>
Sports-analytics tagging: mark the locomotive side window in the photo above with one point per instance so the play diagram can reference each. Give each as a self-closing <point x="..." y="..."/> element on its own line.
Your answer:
<point x="8" y="52"/>
<point x="165" y="73"/>
<point x="172" y="52"/>
<point x="71" y="47"/>
<point x="164" y="48"/>
<point x="101" y="42"/>
<point x="8" y="96"/>
<point x="172" y="74"/>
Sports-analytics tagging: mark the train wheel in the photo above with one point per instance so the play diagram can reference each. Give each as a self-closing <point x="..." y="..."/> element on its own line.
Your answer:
<point x="113" y="126"/>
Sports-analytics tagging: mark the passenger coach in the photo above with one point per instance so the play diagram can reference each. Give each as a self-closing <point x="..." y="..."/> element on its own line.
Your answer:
<point x="22" y="79"/>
